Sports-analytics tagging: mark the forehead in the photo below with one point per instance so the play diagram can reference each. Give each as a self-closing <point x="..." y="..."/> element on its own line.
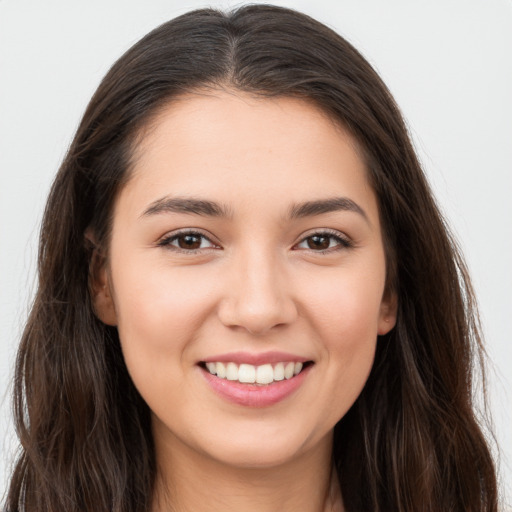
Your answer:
<point x="235" y="147"/>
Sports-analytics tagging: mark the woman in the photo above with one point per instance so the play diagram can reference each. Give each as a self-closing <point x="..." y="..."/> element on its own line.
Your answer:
<point x="248" y="299"/>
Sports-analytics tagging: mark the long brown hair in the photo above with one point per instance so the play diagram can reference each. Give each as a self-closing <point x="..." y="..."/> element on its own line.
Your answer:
<point x="410" y="442"/>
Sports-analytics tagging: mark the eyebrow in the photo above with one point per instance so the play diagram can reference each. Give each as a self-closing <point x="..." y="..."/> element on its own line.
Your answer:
<point x="321" y="206"/>
<point x="204" y="207"/>
<point x="187" y="205"/>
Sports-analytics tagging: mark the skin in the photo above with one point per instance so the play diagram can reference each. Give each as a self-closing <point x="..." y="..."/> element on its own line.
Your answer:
<point x="256" y="285"/>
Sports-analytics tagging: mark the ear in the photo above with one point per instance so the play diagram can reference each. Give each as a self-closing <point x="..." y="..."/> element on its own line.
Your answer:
<point x="388" y="312"/>
<point x="99" y="283"/>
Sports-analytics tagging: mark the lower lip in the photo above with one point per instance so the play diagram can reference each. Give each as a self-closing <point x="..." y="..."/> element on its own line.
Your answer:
<point x="252" y="395"/>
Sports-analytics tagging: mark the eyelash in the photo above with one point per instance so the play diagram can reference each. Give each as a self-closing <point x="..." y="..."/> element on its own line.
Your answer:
<point x="343" y="242"/>
<point x="167" y="241"/>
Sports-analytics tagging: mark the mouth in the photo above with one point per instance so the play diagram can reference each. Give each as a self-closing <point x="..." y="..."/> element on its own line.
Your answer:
<point x="260" y="375"/>
<point x="255" y="380"/>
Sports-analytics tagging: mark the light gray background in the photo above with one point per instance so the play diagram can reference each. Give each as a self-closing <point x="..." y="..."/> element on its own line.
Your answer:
<point x="448" y="63"/>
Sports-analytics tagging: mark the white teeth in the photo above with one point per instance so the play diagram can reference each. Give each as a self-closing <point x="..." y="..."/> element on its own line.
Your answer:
<point x="232" y="371"/>
<point x="279" y="371"/>
<point x="265" y="374"/>
<point x="221" y="370"/>
<point x="288" y="370"/>
<point x="249" y="374"/>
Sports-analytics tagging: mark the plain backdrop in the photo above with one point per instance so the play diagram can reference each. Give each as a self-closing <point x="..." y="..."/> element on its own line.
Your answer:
<point x="447" y="62"/>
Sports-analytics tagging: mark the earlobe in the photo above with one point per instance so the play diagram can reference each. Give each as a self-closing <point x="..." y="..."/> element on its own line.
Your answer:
<point x="388" y="313"/>
<point x="100" y="286"/>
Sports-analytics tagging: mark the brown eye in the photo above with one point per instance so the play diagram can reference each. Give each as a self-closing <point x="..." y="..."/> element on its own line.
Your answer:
<point x="189" y="241"/>
<point x="325" y="242"/>
<point x="319" y="242"/>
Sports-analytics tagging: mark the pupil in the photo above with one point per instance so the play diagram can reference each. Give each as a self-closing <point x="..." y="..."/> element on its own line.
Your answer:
<point x="318" y="242"/>
<point x="189" y="242"/>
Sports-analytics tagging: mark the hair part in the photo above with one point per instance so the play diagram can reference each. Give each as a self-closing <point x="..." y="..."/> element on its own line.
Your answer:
<point x="85" y="432"/>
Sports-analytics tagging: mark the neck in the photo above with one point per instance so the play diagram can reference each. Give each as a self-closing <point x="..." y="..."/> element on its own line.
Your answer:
<point x="192" y="482"/>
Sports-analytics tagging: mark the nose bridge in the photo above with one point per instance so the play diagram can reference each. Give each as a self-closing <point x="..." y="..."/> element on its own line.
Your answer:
<point x="259" y="296"/>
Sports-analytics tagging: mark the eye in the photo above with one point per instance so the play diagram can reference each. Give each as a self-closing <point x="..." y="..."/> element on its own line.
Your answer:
<point x="187" y="241"/>
<point x="325" y="241"/>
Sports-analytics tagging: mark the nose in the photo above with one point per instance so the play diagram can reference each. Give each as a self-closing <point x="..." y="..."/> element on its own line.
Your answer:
<point x="258" y="296"/>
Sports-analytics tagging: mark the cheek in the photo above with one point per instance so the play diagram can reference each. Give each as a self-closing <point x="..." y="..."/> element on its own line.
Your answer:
<point x="345" y="314"/>
<point x="345" y="304"/>
<point x="159" y="314"/>
<point x="158" y="311"/>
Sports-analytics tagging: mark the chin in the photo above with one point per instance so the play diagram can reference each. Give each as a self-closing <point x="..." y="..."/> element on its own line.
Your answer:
<point x="256" y="456"/>
<point x="261" y="450"/>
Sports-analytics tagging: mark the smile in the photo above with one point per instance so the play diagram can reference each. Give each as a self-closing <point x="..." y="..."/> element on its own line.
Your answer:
<point x="262" y="384"/>
<point x="251" y="374"/>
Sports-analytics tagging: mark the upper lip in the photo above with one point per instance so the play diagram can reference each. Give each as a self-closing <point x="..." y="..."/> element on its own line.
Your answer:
<point x="256" y="359"/>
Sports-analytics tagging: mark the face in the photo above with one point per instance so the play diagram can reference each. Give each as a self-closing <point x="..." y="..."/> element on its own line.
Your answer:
<point x="246" y="277"/>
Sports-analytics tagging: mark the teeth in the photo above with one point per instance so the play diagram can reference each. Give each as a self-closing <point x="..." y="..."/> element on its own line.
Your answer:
<point x="249" y="374"/>
<point x="279" y="371"/>
<point x="265" y="374"/>
<point x="221" y="370"/>
<point x="288" y="370"/>
<point x="212" y="368"/>
<point x="232" y="371"/>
